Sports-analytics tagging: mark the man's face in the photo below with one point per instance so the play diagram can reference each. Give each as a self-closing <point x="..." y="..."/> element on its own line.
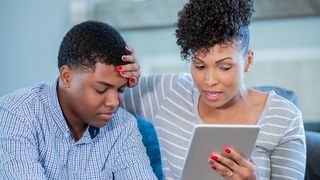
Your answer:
<point x="93" y="96"/>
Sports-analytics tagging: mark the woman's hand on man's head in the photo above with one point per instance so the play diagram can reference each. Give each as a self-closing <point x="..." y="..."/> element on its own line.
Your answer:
<point x="131" y="70"/>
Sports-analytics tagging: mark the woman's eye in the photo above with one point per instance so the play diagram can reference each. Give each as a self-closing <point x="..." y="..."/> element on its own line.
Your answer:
<point x="200" y="67"/>
<point x="225" y="67"/>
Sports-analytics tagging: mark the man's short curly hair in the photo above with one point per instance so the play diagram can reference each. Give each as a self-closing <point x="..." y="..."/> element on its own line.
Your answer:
<point x="90" y="42"/>
<point x="205" y="23"/>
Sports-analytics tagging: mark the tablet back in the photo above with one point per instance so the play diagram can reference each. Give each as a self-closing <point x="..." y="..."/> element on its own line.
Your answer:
<point x="207" y="138"/>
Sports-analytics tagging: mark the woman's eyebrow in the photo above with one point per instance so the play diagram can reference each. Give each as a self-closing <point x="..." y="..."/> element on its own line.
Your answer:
<point x="218" y="61"/>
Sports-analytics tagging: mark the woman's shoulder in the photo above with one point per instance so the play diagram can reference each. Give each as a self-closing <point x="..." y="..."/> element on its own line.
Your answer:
<point x="278" y="102"/>
<point x="279" y="112"/>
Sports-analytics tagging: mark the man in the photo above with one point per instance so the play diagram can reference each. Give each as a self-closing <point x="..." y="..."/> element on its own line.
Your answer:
<point x="73" y="128"/>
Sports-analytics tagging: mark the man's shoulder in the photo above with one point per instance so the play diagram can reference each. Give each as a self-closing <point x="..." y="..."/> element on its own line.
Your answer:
<point x="123" y="118"/>
<point x="24" y="97"/>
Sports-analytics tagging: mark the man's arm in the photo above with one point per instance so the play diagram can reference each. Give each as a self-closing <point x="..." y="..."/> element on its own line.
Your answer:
<point x="18" y="150"/>
<point x="132" y="161"/>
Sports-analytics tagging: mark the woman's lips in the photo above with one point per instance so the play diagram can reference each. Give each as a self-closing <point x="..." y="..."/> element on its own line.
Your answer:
<point x="212" y="95"/>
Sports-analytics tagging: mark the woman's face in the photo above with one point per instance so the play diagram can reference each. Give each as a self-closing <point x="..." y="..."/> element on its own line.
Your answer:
<point x="219" y="74"/>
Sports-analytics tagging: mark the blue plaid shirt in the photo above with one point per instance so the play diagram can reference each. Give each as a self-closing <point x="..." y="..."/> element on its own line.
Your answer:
<point x="36" y="143"/>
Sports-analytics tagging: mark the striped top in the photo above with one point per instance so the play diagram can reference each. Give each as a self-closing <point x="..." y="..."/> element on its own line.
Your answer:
<point x="170" y="101"/>
<point x="36" y="143"/>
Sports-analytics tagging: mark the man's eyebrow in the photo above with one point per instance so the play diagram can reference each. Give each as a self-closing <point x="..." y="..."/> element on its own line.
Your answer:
<point x="110" y="85"/>
<point x="105" y="83"/>
<point x="218" y="61"/>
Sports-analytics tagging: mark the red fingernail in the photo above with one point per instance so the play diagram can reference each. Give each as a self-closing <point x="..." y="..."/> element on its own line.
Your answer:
<point x="122" y="72"/>
<point x="214" y="157"/>
<point x="227" y="150"/>
<point x="124" y="58"/>
<point x="213" y="167"/>
<point x="133" y="79"/>
<point x="119" y="68"/>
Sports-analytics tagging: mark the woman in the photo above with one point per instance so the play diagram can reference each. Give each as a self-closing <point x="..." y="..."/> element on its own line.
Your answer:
<point x="214" y="36"/>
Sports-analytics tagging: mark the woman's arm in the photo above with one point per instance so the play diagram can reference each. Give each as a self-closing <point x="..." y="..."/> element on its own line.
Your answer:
<point x="146" y="98"/>
<point x="288" y="159"/>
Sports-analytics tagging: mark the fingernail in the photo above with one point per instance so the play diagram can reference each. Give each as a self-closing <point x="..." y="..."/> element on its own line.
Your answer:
<point x="133" y="80"/>
<point x="127" y="47"/>
<point x="214" y="157"/>
<point x="122" y="72"/>
<point x="227" y="150"/>
<point x="213" y="167"/>
<point x="211" y="162"/>
<point x="119" y="68"/>
<point x="124" y="58"/>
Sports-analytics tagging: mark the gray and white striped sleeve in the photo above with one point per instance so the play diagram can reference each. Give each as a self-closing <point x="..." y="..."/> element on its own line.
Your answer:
<point x="288" y="159"/>
<point x="146" y="98"/>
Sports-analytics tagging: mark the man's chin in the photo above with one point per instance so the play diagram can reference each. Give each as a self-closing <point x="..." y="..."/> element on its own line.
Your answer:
<point x="100" y="124"/>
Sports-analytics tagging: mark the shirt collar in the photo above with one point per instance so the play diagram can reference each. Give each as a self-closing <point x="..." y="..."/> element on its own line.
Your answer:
<point x="55" y="109"/>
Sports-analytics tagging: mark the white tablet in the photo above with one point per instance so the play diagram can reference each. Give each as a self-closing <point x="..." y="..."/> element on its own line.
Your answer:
<point x="207" y="138"/>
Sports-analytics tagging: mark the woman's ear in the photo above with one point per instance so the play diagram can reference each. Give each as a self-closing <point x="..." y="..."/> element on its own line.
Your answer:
<point x="249" y="60"/>
<point x="65" y="75"/>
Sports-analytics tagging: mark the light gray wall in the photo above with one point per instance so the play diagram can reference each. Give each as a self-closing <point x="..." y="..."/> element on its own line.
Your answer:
<point x="287" y="54"/>
<point x="287" y="50"/>
<point x="30" y="35"/>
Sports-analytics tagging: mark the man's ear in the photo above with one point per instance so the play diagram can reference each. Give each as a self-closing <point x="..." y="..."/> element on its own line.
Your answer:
<point x="65" y="75"/>
<point x="249" y="60"/>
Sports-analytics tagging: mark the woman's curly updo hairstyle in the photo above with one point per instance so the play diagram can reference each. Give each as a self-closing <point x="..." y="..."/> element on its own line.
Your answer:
<point x="205" y="23"/>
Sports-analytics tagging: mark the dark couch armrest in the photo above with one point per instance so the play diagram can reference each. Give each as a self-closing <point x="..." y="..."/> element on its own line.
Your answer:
<point x="313" y="155"/>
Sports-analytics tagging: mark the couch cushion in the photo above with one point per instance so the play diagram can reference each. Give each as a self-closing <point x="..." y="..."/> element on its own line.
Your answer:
<point x="150" y="141"/>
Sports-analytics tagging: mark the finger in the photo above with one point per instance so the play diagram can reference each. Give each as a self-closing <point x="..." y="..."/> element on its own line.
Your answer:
<point x="211" y="162"/>
<point x="129" y="67"/>
<point x="131" y="50"/>
<point x="133" y="81"/>
<point x="238" y="158"/>
<point x="129" y="74"/>
<point x="230" y="164"/>
<point x="219" y="166"/>
<point x="128" y="58"/>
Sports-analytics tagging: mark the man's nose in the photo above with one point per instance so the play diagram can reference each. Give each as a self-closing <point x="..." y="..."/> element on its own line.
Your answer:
<point x="111" y="100"/>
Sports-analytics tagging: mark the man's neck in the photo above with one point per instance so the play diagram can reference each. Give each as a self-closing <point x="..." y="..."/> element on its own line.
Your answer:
<point x="74" y="123"/>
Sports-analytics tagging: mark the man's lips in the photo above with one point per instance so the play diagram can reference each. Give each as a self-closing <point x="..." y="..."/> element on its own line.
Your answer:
<point x="106" y="115"/>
